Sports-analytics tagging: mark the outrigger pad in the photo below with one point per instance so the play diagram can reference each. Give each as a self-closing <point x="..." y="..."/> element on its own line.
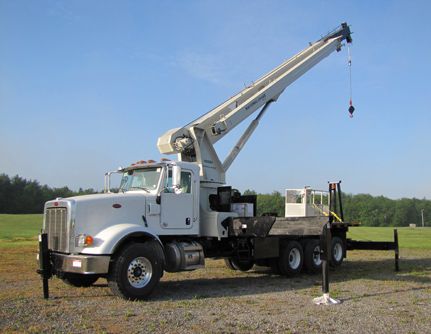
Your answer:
<point x="326" y="300"/>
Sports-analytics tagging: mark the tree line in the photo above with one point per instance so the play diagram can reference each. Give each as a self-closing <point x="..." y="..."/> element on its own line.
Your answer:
<point x="363" y="209"/>
<point x="19" y="195"/>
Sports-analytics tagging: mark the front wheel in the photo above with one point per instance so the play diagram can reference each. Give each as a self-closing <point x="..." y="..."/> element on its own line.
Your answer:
<point x="136" y="270"/>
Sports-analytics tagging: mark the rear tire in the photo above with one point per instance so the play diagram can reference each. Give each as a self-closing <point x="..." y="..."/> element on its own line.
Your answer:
<point x="136" y="270"/>
<point x="312" y="261"/>
<point x="235" y="264"/>
<point x="275" y="268"/>
<point x="291" y="259"/>
<point x="80" y="280"/>
<point x="337" y="251"/>
<point x="228" y="263"/>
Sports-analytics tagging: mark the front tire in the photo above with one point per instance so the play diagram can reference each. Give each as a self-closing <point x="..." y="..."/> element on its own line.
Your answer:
<point x="136" y="270"/>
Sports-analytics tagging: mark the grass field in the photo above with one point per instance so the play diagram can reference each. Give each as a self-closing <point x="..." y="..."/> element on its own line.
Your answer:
<point x="16" y="230"/>
<point x="20" y="226"/>
<point x="419" y="237"/>
<point x="375" y="298"/>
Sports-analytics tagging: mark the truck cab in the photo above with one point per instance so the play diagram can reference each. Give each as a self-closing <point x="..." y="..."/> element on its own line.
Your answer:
<point x="156" y="198"/>
<point x="153" y="200"/>
<point x="172" y="192"/>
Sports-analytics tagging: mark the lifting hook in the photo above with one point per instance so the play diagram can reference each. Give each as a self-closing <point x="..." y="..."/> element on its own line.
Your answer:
<point x="351" y="109"/>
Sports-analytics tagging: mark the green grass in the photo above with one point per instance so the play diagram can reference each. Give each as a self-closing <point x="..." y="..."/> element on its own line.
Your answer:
<point x="20" y="226"/>
<point x="17" y="230"/>
<point x="419" y="237"/>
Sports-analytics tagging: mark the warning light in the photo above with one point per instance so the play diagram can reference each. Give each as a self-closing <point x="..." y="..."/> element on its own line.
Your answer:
<point x="88" y="240"/>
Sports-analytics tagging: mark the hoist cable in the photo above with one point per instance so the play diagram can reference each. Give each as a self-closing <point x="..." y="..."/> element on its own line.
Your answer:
<point x="349" y="62"/>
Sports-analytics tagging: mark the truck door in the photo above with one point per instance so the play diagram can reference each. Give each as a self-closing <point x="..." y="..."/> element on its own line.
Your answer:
<point x="177" y="208"/>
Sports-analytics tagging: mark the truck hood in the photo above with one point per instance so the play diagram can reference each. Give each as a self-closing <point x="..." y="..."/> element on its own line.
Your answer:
<point x="91" y="214"/>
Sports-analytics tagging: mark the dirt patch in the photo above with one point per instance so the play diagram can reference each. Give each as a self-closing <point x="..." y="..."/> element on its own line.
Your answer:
<point x="374" y="298"/>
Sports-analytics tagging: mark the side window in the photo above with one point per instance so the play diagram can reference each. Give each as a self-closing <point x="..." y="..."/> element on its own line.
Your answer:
<point x="169" y="180"/>
<point x="186" y="182"/>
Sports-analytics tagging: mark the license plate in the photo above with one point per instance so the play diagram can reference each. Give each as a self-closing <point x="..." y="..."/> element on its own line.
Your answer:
<point x="77" y="263"/>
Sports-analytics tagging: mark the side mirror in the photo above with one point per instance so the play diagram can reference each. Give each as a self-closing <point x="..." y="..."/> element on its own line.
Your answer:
<point x="176" y="176"/>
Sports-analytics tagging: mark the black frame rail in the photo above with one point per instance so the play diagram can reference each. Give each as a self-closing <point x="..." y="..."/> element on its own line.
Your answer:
<point x="377" y="245"/>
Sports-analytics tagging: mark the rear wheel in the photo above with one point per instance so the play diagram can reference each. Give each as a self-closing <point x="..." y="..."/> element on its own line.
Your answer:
<point x="241" y="265"/>
<point x="136" y="270"/>
<point x="80" y="280"/>
<point x="337" y="251"/>
<point x="312" y="261"/>
<point x="275" y="268"/>
<point x="291" y="259"/>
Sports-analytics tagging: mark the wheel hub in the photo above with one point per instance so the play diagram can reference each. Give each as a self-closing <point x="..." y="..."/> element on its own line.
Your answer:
<point x="338" y="252"/>
<point x="316" y="256"/>
<point x="139" y="272"/>
<point x="294" y="258"/>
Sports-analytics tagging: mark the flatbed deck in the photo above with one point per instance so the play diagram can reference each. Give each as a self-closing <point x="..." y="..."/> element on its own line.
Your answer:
<point x="279" y="226"/>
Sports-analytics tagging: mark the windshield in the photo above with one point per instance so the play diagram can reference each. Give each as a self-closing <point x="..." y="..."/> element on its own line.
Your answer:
<point x="146" y="179"/>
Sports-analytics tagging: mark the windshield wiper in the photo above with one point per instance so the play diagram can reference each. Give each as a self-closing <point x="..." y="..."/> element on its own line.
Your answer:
<point x="143" y="188"/>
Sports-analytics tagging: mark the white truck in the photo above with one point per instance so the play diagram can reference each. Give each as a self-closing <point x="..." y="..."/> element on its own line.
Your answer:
<point x="171" y="215"/>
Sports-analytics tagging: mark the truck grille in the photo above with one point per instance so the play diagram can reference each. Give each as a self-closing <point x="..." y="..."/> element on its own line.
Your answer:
<point x="56" y="227"/>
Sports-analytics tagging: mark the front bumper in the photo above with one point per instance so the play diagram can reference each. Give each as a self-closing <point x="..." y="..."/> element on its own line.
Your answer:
<point x="80" y="264"/>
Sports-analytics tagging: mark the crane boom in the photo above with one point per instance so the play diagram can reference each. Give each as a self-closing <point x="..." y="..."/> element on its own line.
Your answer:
<point x="194" y="142"/>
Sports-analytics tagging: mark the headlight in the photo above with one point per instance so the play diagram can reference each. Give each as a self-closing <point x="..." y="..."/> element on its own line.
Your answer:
<point x="84" y="240"/>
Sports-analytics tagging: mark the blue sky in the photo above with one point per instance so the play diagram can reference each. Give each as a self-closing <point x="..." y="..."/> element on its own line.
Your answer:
<point x="87" y="86"/>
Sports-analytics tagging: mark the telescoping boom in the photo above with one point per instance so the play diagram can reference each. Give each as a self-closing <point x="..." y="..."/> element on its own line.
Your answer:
<point x="195" y="141"/>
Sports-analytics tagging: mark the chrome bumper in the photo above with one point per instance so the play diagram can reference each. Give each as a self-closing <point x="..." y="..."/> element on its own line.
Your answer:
<point x="80" y="264"/>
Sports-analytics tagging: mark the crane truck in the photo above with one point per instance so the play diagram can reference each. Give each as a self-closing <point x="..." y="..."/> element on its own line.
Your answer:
<point x="171" y="215"/>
